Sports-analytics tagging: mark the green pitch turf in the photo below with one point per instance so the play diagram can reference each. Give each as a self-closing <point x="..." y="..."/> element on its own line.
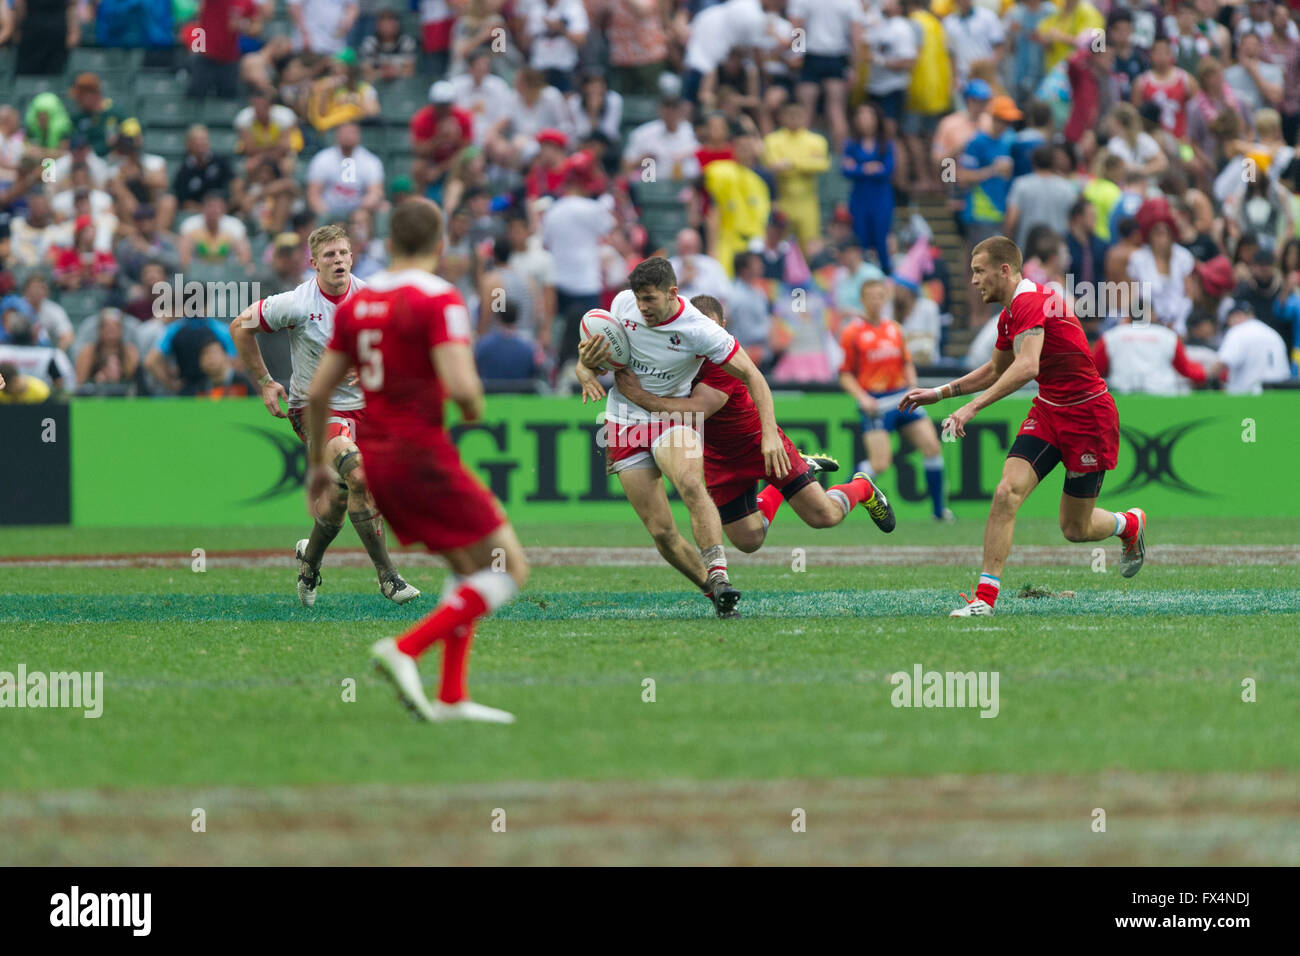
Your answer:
<point x="221" y="693"/>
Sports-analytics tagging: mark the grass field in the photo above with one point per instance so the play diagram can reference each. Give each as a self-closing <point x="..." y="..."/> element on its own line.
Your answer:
<point x="222" y="693"/>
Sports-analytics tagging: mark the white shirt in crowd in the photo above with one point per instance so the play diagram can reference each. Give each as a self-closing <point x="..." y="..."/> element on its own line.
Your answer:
<point x="281" y="116"/>
<point x="673" y="151"/>
<point x="322" y="22"/>
<point x="229" y="226"/>
<point x="972" y="38"/>
<point x="708" y="278"/>
<point x="308" y="313"/>
<point x="100" y="173"/>
<point x="715" y="30"/>
<point x="828" y="24"/>
<point x="893" y="38"/>
<point x="1141" y="359"/>
<point x="551" y="111"/>
<point x="489" y="102"/>
<point x="1142" y="153"/>
<point x="665" y="357"/>
<point x="921" y="330"/>
<point x="1168" y="293"/>
<point x="344" y="188"/>
<point x="1254" y="354"/>
<point x="609" y="123"/>
<point x="554" y="52"/>
<point x="571" y="231"/>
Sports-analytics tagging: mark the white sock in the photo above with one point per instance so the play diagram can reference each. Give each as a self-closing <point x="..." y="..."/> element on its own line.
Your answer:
<point x="1120" y="521"/>
<point x="715" y="560"/>
<point x="494" y="587"/>
<point x="840" y="498"/>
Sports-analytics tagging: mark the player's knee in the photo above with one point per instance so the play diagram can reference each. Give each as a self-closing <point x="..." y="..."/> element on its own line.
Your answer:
<point x="747" y="541"/>
<point x="664" y="535"/>
<point x="347" y="463"/>
<point x="1008" y="496"/>
<point x="827" y="516"/>
<point x="1074" y="530"/>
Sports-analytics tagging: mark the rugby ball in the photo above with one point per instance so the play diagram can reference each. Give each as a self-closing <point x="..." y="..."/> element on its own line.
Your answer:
<point x="599" y="322"/>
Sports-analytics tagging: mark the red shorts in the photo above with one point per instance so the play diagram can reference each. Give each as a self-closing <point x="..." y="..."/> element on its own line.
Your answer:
<point x="338" y="425"/>
<point x="427" y="497"/>
<point x="1086" y="435"/>
<point x="629" y="446"/>
<point x="731" y="475"/>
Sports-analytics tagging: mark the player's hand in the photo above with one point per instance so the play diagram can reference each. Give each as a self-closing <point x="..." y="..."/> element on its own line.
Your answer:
<point x="272" y="392"/>
<point x="627" y="383"/>
<point x="593" y="352"/>
<point x="958" y="419"/>
<point x="775" y="459"/>
<point x="917" y="397"/>
<point x="591" y="387"/>
<point x="869" y="405"/>
<point x="319" y="480"/>
<point x="2" y="382"/>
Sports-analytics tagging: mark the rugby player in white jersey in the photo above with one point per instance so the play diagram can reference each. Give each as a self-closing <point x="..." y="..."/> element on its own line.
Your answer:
<point x="307" y="313"/>
<point x="669" y="339"/>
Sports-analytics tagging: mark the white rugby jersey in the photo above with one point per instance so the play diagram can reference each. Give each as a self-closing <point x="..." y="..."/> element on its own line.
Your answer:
<point x="308" y="313"/>
<point x="665" y="357"/>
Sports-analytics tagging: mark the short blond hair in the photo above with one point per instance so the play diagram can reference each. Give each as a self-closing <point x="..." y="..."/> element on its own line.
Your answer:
<point x="1001" y="252"/>
<point x="324" y="235"/>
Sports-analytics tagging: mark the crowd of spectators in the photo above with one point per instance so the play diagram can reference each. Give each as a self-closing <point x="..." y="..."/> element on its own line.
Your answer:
<point x="1142" y="155"/>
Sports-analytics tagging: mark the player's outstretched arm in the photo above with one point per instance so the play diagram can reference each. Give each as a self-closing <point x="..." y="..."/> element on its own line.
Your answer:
<point x="742" y="367"/>
<point x="1022" y="370"/>
<point x="454" y="363"/>
<point x="970" y="383"/>
<point x="703" y="400"/>
<point x="243" y="330"/>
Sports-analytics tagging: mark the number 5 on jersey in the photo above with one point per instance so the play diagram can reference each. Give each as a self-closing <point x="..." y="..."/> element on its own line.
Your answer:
<point x="372" y="360"/>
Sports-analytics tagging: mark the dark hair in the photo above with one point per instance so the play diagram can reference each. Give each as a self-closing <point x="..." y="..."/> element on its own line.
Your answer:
<point x="9" y="372"/>
<point x="508" y="314"/>
<point x="709" y="306"/>
<point x="882" y="132"/>
<point x="1041" y="157"/>
<point x="1119" y="16"/>
<point x="415" y="227"/>
<point x="501" y="251"/>
<point x="1001" y="251"/>
<point x="655" y="272"/>
<point x="1079" y="208"/>
<point x="1038" y="113"/>
<point x="1127" y="227"/>
<point x="741" y="262"/>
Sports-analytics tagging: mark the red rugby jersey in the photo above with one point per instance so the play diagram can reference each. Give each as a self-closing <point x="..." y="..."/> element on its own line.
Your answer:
<point x="1066" y="371"/>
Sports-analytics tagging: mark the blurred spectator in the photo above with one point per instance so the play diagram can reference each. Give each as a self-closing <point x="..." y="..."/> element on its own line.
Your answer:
<point x="220" y="380"/>
<point x="80" y="154"/>
<point x="894" y="54"/>
<point x="1144" y="357"/>
<point x="1250" y="356"/>
<point x="1086" y="252"/>
<point x="151" y="286"/>
<point x="1261" y="293"/>
<point x="138" y="178"/>
<point x="133" y="23"/>
<point x="344" y="177"/>
<point x="480" y="28"/>
<point x="387" y="54"/>
<point x="81" y="265"/>
<point x="698" y="274"/>
<point x="109" y="359"/>
<point x="529" y="255"/>
<point x="959" y="127"/>
<point x="504" y="355"/>
<point x="595" y="107"/>
<point x="554" y="30"/>
<point x="20" y="388"/>
<point x="268" y="130"/>
<point x="715" y="31"/>
<point x="18" y="323"/>
<point x="775" y="248"/>
<point x="214" y="238"/>
<point x="638" y="45"/>
<point x="571" y="231"/>
<point x="143" y="241"/>
<point x="258" y="69"/>
<point x="175" y="360"/>
<point x="265" y="200"/>
<point x="368" y="255"/>
<point x="51" y="320"/>
<point x="535" y="106"/>
<point x="1038" y="131"/>
<point x="1043" y="197"/>
<point x="797" y="156"/>
<point x="437" y="19"/>
<point x="12" y="145"/>
<point x="94" y="116"/>
<point x="869" y="165"/>
<point x="321" y="26"/>
<point x="920" y="320"/>
<point x="286" y="268"/>
<point x="23" y="345"/>
<point x="214" y="64"/>
<point x="439" y="132"/>
<point x="46" y="31"/>
<point x="1255" y="81"/>
<point x="341" y="95"/>
<point x="34" y="234"/>
<point x="1062" y="31"/>
<point x="201" y="171"/>
<point x="984" y="172"/>
<point x="1140" y="152"/>
<point x="1166" y="85"/>
<point x="466" y="177"/>
<point x="484" y="96"/>
<point x="1093" y="90"/>
<point x="1162" y="266"/>
<point x="505" y="283"/>
<point x="833" y="34"/>
<point x="663" y="149"/>
<point x="47" y="123"/>
<point x="548" y="172"/>
<point x="1023" y="69"/>
<point x="749" y="308"/>
<point x="974" y="34"/>
<point x="459" y="263"/>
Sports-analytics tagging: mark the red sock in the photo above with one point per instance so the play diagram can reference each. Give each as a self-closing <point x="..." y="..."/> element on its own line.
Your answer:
<point x="464" y="605"/>
<point x="857" y="491"/>
<point x="770" y="500"/>
<point x="987" y="589"/>
<point x="455" y="657"/>
<point x="1130" y="525"/>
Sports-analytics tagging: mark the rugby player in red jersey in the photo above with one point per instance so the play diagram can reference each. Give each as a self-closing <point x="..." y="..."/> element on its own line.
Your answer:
<point x="733" y="455"/>
<point x="408" y="335"/>
<point x="1073" y="418"/>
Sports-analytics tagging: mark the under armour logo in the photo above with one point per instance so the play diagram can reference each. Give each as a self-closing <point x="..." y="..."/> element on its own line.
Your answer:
<point x="1153" y="458"/>
<point x="316" y="316"/>
<point x="629" y="325"/>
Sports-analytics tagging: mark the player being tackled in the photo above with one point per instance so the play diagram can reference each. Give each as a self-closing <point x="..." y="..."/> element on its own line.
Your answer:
<point x="1073" y="418"/>
<point x="306" y="314"/>
<point x="733" y="456"/>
